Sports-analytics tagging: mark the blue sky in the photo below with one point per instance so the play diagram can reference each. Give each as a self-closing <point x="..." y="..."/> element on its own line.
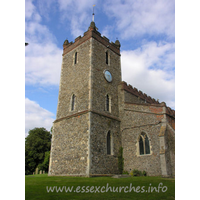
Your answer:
<point x="145" y="29"/>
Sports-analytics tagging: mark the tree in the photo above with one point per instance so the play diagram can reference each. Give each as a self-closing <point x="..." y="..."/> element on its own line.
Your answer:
<point x="36" y="144"/>
<point x="45" y="165"/>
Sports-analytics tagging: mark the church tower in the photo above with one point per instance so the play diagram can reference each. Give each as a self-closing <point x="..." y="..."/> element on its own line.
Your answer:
<point x="86" y="133"/>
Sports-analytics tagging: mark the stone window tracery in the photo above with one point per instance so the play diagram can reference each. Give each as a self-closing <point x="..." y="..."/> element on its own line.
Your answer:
<point x="144" y="147"/>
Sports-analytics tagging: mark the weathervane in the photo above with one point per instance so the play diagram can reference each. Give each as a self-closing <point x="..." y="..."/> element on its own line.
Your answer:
<point x="93" y="13"/>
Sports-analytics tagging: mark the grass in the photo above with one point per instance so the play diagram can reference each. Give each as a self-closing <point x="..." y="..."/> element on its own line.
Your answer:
<point x="36" y="188"/>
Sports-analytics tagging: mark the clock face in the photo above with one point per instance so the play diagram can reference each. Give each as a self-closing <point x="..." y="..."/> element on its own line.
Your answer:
<point x="107" y="75"/>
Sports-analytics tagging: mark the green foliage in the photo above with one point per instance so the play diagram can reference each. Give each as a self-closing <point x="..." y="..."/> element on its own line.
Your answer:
<point x="36" y="144"/>
<point x="144" y="173"/>
<point x="136" y="172"/>
<point x="120" y="160"/>
<point x="125" y="172"/>
<point x="45" y="165"/>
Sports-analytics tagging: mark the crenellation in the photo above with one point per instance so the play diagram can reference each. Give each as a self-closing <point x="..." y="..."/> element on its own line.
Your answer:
<point x="106" y="38"/>
<point x="79" y="37"/>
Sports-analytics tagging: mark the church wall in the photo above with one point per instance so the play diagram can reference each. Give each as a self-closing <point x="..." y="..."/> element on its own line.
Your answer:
<point x="170" y="150"/>
<point x="130" y="98"/>
<point x="171" y="121"/>
<point x="101" y="163"/>
<point x="69" y="150"/>
<point x="135" y="120"/>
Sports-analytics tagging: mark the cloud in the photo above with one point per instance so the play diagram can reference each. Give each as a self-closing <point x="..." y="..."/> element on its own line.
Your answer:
<point x="134" y="18"/>
<point x="30" y="11"/>
<point x="43" y="57"/>
<point x="78" y="13"/>
<point x="43" y="64"/>
<point x="36" y="116"/>
<point x="150" y="68"/>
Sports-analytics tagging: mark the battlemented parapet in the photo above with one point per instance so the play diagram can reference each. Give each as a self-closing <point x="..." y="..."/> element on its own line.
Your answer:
<point x="147" y="99"/>
<point x="92" y="32"/>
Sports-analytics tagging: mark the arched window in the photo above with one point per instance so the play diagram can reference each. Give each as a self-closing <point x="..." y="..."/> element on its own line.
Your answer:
<point x="141" y="145"/>
<point x="75" y="58"/>
<point x="108" y="143"/>
<point x="147" y="149"/>
<point x="106" y="57"/>
<point x="144" y="147"/>
<point x="107" y="102"/>
<point x="73" y="102"/>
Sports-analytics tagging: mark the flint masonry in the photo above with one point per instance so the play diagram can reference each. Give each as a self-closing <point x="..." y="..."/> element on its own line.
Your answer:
<point x="97" y="114"/>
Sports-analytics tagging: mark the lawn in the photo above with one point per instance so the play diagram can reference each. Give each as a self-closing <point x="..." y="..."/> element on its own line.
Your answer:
<point x="45" y="187"/>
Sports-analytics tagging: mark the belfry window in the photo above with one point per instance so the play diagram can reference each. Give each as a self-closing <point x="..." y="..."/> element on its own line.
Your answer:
<point x="106" y="57"/>
<point x="73" y="102"/>
<point x="108" y="143"/>
<point x="75" y="58"/>
<point x="144" y="147"/>
<point x="107" y="102"/>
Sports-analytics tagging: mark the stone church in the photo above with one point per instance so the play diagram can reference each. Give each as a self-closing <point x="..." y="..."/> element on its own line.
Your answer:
<point x="98" y="113"/>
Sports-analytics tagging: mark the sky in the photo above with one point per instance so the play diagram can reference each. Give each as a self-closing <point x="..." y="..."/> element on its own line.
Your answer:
<point x="145" y="29"/>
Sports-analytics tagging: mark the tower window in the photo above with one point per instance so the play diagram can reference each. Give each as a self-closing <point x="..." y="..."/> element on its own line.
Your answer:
<point x="108" y="143"/>
<point x="75" y="58"/>
<point x="144" y="147"/>
<point x="106" y="57"/>
<point x="107" y="52"/>
<point x="108" y="103"/>
<point x="73" y="102"/>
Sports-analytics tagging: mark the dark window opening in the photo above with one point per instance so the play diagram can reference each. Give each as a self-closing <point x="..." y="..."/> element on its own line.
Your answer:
<point x="147" y="145"/>
<point x="108" y="143"/>
<point x="75" y="58"/>
<point x="107" y="102"/>
<point x="106" y="57"/>
<point x="141" y="146"/>
<point x="73" y="102"/>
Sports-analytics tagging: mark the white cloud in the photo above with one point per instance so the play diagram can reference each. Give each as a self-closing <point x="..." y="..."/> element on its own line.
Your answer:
<point x="141" y="17"/>
<point x="151" y="70"/>
<point x="36" y="116"/>
<point x="79" y="14"/>
<point x="43" y="57"/>
<point x="43" y="64"/>
<point x="30" y="11"/>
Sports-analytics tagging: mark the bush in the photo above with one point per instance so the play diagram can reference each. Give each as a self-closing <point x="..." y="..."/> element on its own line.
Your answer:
<point x="125" y="172"/>
<point x="136" y="172"/>
<point x="144" y="173"/>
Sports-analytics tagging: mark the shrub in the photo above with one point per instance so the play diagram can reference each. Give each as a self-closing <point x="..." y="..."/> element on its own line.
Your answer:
<point x="144" y="173"/>
<point x="125" y="172"/>
<point x="136" y="172"/>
